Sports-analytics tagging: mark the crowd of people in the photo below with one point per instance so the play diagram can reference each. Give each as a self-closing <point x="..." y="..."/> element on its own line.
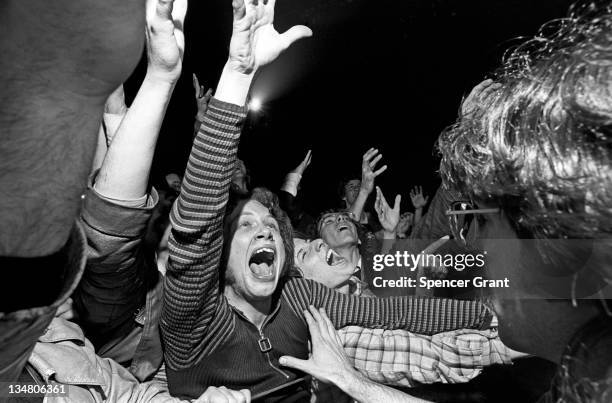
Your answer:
<point x="202" y="288"/>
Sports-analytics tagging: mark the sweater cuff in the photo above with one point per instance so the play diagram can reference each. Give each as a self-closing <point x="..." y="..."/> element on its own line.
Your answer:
<point x="292" y="180"/>
<point x="223" y="120"/>
<point x="114" y="218"/>
<point x="227" y="107"/>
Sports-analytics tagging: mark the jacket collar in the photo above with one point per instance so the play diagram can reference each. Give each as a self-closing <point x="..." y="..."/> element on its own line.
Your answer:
<point x="66" y="356"/>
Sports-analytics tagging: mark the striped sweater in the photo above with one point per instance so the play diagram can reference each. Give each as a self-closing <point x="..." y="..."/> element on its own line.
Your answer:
<point x="207" y="341"/>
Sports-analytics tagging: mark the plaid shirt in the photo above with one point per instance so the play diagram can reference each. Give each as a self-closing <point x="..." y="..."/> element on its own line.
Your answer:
<point x="402" y="358"/>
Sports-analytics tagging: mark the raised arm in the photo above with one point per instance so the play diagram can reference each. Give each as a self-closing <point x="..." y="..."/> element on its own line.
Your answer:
<point x="289" y="189"/>
<point x="114" y="111"/>
<point x="117" y="208"/>
<point x="388" y="218"/>
<point x="192" y="295"/>
<point x="124" y="175"/>
<point x="368" y="175"/>
<point x="418" y="202"/>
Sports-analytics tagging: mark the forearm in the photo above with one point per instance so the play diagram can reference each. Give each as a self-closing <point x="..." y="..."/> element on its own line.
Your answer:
<point x="125" y="171"/>
<point x="364" y="390"/>
<point x="291" y="183"/>
<point x="417" y="315"/>
<point x="357" y="208"/>
<point x="418" y="214"/>
<point x="413" y="359"/>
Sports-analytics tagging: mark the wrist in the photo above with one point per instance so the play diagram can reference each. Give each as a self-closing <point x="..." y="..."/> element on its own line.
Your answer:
<point x="160" y="79"/>
<point x="364" y="192"/>
<point x="233" y="85"/>
<point x="352" y="383"/>
<point x="388" y="234"/>
<point x="291" y="183"/>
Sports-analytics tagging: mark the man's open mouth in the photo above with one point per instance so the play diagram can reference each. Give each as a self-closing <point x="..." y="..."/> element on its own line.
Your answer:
<point x="332" y="258"/>
<point x="343" y="227"/>
<point x="261" y="263"/>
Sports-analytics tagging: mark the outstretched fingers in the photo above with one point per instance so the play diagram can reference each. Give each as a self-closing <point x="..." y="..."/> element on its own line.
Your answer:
<point x="381" y="170"/>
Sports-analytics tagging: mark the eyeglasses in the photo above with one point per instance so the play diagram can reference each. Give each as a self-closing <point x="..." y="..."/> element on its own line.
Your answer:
<point x="461" y="215"/>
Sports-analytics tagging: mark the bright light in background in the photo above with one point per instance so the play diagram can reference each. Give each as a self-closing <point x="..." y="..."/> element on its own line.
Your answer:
<point x="255" y="104"/>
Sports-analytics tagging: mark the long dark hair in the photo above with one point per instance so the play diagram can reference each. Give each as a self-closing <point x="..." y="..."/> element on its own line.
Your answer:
<point x="269" y="200"/>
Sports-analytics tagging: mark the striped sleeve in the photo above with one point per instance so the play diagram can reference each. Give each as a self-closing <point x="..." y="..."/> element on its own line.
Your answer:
<point x="192" y="307"/>
<point x="418" y="315"/>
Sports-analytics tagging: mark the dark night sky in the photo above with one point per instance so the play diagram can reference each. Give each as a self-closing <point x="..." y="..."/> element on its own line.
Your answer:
<point x="384" y="73"/>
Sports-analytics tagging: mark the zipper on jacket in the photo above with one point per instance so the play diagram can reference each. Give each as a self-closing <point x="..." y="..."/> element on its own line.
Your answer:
<point x="265" y="346"/>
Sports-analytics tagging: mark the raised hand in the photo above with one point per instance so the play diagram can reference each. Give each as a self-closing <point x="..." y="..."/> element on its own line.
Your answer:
<point x="328" y="361"/>
<point x="222" y="394"/>
<point x="388" y="217"/>
<point x="417" y="198"/>
<point x="304" y="164"/>
<point x="405" y="222"/>
<point x="368" y="166"/>
<point x="165" y="38"/>
<point x="478" y="95"/>
<point x="202" y="98"/>
<point x="255" y="42"/>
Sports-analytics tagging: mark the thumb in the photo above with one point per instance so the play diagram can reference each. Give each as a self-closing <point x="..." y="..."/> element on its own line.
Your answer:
<point x="295" y="33"/>
<point x="296" y="363"/>
<point x="398" y="200"/>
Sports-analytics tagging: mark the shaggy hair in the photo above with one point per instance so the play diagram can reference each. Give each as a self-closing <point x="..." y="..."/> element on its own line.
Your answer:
<point x="270" y="201"/>
<point x="541" y="145"/>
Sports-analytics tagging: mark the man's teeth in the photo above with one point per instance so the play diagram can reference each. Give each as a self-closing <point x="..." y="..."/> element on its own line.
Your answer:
<point x="261" y="262"/>
<point x="333" y="258"/>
